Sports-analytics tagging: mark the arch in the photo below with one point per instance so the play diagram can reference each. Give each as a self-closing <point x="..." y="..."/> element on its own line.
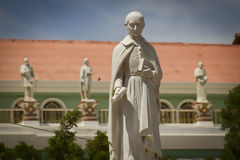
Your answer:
<point x="183" y="102"/>
<point x="16" y="102"/>
<point x="52" y="116"/>
<point x="186" y="116"/>
<point x="56" y="100"/>
<point x="16" y="116"/>
<point x="168" y="103"/>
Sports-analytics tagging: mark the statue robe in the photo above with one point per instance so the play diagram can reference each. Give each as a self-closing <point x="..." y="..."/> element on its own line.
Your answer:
<point x="201" y="78"/>
<point x="85" y="81"/>
<point x="134" y="120"/>
<point x="27" y="74"/>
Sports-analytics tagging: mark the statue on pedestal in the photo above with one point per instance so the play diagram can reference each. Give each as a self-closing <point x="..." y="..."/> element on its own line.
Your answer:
<point x="86" y="105"/>
<point x="30" y="116"/>
<point x="202" y="105"/>
<point x="28" y="75"/>
<point x="134" y="106"/>
<point x="86" y="73"/>
<point x="201" y="79"/>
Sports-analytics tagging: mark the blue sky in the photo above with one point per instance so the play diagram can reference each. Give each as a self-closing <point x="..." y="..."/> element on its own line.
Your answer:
<point x="195" y="21"/>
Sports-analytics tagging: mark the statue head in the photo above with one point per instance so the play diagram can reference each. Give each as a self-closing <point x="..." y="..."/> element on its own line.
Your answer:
<point x="134" y="23"/>
<point x="200" y="64"/>
<point x="26" y="60"/>
<point x="86" y="61"/>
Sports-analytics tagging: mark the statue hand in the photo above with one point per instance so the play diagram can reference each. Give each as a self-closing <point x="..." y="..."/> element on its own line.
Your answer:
<point x="202" y="81"/>
<point x="147" y="73"/>
<point x="117" y="91"/>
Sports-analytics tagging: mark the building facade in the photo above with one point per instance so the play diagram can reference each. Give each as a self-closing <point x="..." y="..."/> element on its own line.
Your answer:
<point x="57" y="65"/>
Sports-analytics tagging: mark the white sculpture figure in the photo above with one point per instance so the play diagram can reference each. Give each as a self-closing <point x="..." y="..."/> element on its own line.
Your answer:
<point x="134" y="106"/>
<point x="86" y="79"/>
<point x="201" y="79"/>
<point x="28" y="75"/>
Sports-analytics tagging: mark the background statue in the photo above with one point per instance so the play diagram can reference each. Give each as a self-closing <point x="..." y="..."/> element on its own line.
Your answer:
<point x="28" y="75"/>
<point x="86" y="79"/>
<point x="201" y="79"/>
<point x="134" y="106"/>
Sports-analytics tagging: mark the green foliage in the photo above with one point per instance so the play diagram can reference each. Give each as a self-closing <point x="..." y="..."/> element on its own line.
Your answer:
<point x="6" y="153"/>
<point x="209" y="158"/>
<point x="169" y="158"/>
<point x="21" y="151"/>
<point x="231" y="123"/>
<point x="62" y="146"/>
<point x="98" y="148"/>
<point x="101" y="156"/>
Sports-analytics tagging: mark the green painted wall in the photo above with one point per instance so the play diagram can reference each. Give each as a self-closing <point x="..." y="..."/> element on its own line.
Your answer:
<point x="192" y="153"/>
<point x="176" y="99"/>
<point x="71" y="99"/>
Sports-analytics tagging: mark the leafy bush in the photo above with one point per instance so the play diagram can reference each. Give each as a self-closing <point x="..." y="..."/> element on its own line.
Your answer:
<point x="101" y="156"/>
<point x="6" y="153"/>
<point x="98" y="148"/>
<point x="21" y="151"/>
<point x="169" y="158"/>
<point x="209" y="158"/>
<point x="63" y="146"/>
<point x="231" y="123"/>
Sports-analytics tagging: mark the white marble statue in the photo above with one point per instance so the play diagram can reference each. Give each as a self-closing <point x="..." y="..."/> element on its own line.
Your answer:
<point x="134" y="107"/>
<point x="201" y="79"/>
<point x="86" y="80"/>
<point x="29" y="80"/>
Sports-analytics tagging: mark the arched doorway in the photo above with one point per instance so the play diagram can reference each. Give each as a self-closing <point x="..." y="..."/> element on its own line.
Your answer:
<point x="17" y="114"/>
<point x="166" y="115"/>
<point x="51" y="110"/>
<point x="186" y="112"/>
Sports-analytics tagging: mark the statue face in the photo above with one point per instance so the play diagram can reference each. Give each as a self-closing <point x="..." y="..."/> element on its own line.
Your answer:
<point x="86" y="61"/>
<point x="135" y="25"/>
<point x="25" y="61"/>
<point x="200" y="65"/>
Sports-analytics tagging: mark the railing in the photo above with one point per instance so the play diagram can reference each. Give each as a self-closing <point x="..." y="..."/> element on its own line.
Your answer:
<point x="177" y="116"/>
<point x="51" y="115"/>
<point x="216" y="116"/>
<point x="166" y="116"/>
<point x="11" y="115"/>
<point x="170" y="116"/>
<point x="102" y="115"/>
<point x="47" y="115"/>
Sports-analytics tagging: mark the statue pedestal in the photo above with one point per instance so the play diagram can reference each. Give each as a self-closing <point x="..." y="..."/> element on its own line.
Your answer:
<point x="203" y="117"/>
<point x="87" y="107"/>
<point x="30" y="115"/>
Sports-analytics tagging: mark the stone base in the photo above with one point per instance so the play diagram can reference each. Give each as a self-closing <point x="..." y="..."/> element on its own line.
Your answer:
<point x="30" y="123"/>
<point x="204" y="123"/>
<point x="202" y="108"/>
<point x="203" y="117"/>
<point x="89" y="118"/>
<point x="88" y="124"/>
<point x="29" y="99"/>
<point x="31" y="112"/>
<point x="88" y="100"/>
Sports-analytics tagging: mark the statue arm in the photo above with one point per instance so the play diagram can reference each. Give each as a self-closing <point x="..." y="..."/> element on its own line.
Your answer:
<point x="118" y="82"/>
<point x="33" y="74"/>
<point x="118" y="71"/>
<point x="82" y="74"/>
<point x="156" y="74"/>
<point x="91" y="71"/>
